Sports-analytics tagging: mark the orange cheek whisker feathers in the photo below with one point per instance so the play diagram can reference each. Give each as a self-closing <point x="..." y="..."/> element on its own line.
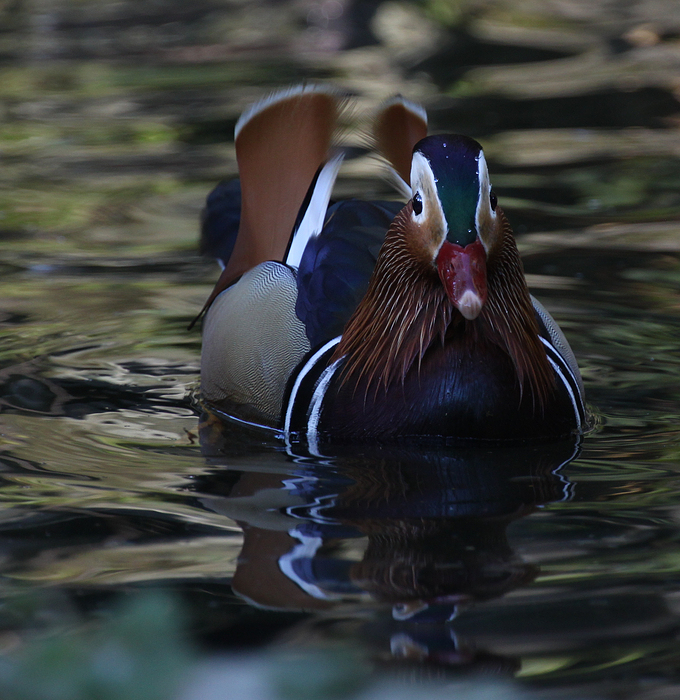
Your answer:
<point x="406" y="308"/>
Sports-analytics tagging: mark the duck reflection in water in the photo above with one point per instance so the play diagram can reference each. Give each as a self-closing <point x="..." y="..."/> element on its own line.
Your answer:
<point x="417" y="533"/>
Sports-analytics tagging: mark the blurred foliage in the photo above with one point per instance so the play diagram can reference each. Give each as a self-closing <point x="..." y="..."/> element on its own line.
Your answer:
<point x="448" y="13"/>
<point x="137" y="651"/>
<point x="307" y="674"/>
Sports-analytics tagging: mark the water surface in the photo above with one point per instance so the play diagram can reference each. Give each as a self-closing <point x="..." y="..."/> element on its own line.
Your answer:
<point x="557" y="566"/>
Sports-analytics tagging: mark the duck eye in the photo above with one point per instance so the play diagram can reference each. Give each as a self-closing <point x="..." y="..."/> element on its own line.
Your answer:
<point x="493" y="200"/>
<point x="417" y="204"/>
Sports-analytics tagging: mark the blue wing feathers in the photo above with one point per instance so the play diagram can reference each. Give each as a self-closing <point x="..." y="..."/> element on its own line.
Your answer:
<point x="337" y="265"/>
<point x="220" y="220"/>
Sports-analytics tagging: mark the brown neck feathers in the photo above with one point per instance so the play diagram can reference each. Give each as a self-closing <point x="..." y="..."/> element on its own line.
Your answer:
<point x="406" y="310"/>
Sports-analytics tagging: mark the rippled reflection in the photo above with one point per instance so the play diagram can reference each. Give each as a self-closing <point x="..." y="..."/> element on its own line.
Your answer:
<point x="420" y="532"/>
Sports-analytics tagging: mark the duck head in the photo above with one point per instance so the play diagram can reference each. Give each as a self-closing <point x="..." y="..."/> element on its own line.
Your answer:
<point x="453" y="223"/>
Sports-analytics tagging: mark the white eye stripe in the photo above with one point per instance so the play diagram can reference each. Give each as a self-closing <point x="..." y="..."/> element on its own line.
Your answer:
<point x="483" y="202"/>
<point x="423" y="183"/>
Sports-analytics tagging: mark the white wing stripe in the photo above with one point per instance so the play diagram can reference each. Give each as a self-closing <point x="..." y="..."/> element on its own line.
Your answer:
<point x="312" y="221"/>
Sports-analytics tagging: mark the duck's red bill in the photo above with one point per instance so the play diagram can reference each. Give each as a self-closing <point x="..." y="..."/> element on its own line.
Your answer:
<point x="463" y="274"/>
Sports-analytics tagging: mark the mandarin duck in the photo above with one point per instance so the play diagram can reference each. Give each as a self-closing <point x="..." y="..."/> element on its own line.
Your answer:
<point x="378" y="320"/>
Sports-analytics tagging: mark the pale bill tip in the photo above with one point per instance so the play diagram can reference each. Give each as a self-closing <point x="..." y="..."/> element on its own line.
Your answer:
<point x="470" y="304"/>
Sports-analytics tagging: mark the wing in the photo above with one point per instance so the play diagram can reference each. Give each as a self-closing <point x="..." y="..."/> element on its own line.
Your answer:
<point x="336" y="266"/>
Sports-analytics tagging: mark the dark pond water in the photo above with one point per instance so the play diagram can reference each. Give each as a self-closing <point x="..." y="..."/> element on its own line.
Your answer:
<point x="542" y="571"/>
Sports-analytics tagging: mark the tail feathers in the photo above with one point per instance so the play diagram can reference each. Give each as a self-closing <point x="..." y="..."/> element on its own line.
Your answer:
<point x="398" y="126"/>
<point x="281" y="142"/>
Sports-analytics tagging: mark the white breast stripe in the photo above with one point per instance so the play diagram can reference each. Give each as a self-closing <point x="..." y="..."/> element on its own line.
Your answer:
<point x="569" y="389"/>
<point x="564" y="363"/>
<point x="315" y="405"/>
<point x="303" y="373"/>
<point x="565" y="373"/>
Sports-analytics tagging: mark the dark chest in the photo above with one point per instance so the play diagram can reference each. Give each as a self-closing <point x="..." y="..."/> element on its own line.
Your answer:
<point x="456" y="393"/>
